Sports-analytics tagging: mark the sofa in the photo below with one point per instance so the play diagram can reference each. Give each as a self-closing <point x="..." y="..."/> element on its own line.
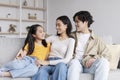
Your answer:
<point x="10" y="46"/>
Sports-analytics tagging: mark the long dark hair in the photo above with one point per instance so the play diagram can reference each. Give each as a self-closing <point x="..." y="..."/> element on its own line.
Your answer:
<point x="30" y="39"/>
<point x="67" y="21"/>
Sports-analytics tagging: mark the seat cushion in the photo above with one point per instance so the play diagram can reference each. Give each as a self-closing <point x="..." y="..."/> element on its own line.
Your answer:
<point x="114" y="75"/>
<point x="7" y="78"/>
<point x="86" y="76"/>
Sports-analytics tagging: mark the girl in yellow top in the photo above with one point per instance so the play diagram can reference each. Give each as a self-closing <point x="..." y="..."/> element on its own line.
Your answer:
<point x="26" y="63"/>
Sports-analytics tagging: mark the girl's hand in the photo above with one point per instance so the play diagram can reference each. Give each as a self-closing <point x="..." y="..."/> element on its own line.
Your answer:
<point x="37" y="62"/>
<point x="21" y="54"/>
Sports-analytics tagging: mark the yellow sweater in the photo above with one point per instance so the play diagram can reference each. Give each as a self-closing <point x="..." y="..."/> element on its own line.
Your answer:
<point x="40" y="52"/>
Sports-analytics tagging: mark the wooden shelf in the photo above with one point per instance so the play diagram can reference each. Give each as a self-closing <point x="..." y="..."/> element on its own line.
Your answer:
<point x="24" y="7"/>
<point x="32" y="8"/>
<point x="18" y="17"/>
<point x="7" y="33"/>
<point x="8" y="19"/>
<point x="24" y="33"/>
<point x="9" y="5"/>
<point x="31" y="20"/>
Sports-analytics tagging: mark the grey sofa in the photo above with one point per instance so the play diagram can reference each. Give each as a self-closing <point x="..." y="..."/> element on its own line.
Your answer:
<point x="10" y="46"/>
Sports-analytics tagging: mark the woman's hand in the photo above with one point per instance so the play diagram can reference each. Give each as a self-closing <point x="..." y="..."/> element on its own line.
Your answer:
<point x="90" y="62"/>
<point x="41" y="62"/>
<point x="45" y="63"/>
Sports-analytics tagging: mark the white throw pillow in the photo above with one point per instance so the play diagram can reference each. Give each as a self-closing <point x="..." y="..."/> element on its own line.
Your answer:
<point x="115" y="56"/>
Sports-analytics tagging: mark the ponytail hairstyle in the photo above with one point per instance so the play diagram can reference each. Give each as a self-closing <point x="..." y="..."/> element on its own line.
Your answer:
<point x="30" y="39"/>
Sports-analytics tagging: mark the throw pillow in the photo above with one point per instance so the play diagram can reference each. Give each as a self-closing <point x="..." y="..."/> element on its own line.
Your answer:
<point x="115" y="55"/>
<point x="119" y="64"/>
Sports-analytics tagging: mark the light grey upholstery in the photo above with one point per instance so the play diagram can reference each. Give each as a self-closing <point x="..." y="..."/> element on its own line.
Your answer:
<point x="10" y="46"/>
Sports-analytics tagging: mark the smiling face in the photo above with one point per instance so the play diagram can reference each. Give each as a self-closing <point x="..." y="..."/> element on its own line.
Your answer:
<point x="40" y="34"/>
<point x="80" y="26"/>
<point x="60" y="27"/>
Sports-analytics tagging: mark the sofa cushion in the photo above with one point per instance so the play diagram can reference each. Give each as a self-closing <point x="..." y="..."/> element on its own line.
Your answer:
<point x="9" y="48"/>
<point x="114" y="75"/>
<point x="8" y="78"/>
<point x="115" y="55"/>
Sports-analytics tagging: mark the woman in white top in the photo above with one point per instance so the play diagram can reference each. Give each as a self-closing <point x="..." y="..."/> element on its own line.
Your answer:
<point x="62" y="47"/>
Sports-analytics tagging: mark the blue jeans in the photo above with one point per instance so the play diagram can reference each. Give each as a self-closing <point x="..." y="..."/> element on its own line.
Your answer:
<point x="54" y="72"/>
<point x="24" y="67"/>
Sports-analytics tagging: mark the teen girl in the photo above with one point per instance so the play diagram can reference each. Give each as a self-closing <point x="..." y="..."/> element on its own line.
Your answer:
<point x="26" y="63"/>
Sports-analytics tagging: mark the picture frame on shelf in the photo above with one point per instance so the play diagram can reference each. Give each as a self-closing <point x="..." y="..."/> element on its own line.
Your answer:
<point x="32" y="17"/>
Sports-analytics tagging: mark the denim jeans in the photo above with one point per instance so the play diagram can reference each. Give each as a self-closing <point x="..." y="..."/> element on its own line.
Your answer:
<point x="100" y="69"/>
<point x="52" y="72"/>
<point x="24" y="67"/>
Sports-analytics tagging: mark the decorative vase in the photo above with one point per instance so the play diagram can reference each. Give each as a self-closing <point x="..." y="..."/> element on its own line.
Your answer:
<point x="28" y="28"/>
<point x="25" y="3"/>
<point x="8" y="15"/>
<point x="12" y="28"/>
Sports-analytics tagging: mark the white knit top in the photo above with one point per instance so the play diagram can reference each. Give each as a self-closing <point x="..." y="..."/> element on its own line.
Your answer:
<point x="61" y="48"/>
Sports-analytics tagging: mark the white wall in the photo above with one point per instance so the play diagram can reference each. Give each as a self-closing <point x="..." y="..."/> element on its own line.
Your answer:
<point x="106" y="14"/>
